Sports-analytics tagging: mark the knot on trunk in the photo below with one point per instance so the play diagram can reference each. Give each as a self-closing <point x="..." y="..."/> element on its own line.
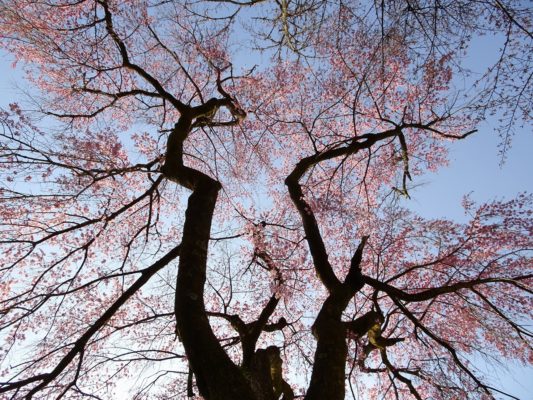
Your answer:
<point x="266" y="375"/>
<point x="379" y="342"/>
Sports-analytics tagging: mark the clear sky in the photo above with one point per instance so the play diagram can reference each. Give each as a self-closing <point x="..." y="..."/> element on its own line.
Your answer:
<point x="474" y="168"/>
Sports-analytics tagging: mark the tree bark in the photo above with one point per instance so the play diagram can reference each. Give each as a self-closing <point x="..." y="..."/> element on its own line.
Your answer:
<point x="217" y="377"/>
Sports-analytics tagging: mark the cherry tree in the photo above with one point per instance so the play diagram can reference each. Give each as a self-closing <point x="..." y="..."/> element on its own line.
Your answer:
<point x="206" y="199"/>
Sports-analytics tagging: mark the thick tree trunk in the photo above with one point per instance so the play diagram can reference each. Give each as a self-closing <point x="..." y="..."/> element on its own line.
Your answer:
<point x="327" y="379"/>
<point x="217" y="377"/>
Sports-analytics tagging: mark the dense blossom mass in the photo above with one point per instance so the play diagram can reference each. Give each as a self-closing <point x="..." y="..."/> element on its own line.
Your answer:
<point x="206" y="199"/>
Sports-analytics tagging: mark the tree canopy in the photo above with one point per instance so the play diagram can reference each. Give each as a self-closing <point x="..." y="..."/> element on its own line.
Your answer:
<point x="206" y="199"/>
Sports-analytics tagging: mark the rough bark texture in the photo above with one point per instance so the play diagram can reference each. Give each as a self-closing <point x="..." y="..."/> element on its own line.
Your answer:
<point x="216" y="375"/>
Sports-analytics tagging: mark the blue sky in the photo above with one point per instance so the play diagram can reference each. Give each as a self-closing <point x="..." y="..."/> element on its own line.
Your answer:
<point x="475" y="168"/>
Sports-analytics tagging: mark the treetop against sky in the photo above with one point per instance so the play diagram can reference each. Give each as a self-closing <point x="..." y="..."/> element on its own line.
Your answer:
<point x="206" y="199"/>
